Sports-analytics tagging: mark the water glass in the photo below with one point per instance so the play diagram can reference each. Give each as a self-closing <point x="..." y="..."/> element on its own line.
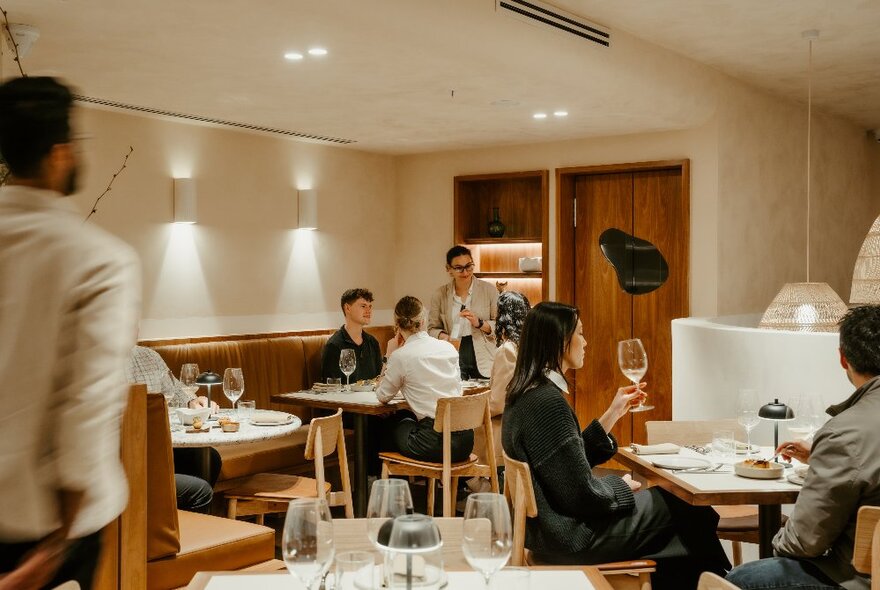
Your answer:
<point x="246" y="409"/>
<point x="307" y="542"/>
<point x="724" y="446"/>
<point x="335" y="383"/>
<point x="354" y="570"/>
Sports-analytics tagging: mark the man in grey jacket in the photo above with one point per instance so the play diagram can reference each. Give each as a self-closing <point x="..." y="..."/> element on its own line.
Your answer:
<point x="815" y="547"/>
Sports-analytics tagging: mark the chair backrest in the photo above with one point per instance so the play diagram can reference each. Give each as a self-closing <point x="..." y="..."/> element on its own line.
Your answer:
<point x="690" y="432"/>
<point x="866" y="551"/>
<point x="521" y="496"/>
<point x="709" y="581"/>
<point x="163" y="528"/>
<point x="461" y="412"/>
<point x="326" y="436"/>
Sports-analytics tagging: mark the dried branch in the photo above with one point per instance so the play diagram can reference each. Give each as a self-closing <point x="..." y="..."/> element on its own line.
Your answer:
<point x="110" y="184"/>
<point x="17" y="57"/>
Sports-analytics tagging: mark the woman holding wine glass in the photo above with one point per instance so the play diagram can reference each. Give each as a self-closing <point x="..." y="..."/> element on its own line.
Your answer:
<point x="583" y="518"/>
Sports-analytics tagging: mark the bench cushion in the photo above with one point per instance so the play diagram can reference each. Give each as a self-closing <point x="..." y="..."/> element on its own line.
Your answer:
<point x="264" y="456"/>
<point x="211" y="543"/>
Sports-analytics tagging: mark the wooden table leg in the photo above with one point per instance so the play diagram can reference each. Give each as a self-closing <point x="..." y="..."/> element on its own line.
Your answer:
<point x="769" y="522"/>
<point x="360" y="465"/>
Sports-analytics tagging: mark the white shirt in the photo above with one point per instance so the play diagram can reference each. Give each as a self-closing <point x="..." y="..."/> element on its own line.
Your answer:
<point x="424" y="369"/>
<point x="69" y="299"/>
<point x="462" y="326"/>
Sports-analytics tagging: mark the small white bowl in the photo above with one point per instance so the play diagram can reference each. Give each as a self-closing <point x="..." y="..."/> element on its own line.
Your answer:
<point x="188" y="414"/>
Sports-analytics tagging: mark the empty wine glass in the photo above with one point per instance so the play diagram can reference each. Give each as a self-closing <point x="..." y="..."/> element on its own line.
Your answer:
<point x="747" y="415"/>
<point x="188" y="374"/>
<point x="389" y="498"/>
<point x="233" y="385"/>
<point x="487" y="540"/>
<point x="307" y="541"/>
<point x="347" y="364"/>
<point x="633" y="361"/>
<point x="808" y="416"/>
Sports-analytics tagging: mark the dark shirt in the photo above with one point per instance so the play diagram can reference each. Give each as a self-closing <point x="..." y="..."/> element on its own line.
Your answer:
<point x="541" y="429"/>
<point x="368" y="354"/>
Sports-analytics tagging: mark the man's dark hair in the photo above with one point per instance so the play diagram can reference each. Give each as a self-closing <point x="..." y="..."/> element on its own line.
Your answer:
<point x="352" y="295"/>
<point x="457" y="251"/>
<point x="34" y="116"/>
<point x="860" y="339"/>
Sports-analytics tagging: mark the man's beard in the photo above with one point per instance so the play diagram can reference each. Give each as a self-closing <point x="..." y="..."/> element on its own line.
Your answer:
<point x="72" y="183"/>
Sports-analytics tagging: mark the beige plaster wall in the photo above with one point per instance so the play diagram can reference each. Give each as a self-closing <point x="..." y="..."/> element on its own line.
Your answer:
<point x="425" y="198"/>
<point x="243" y="267"/>
<point x="762" y="222"/>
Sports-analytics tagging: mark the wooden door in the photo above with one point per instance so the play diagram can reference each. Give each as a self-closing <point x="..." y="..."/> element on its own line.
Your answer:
<point x="651" y="204"/>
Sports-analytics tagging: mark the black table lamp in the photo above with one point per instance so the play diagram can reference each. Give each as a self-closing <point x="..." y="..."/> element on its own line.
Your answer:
<point x="777" y="412"/>
<point x="209" y="380"/>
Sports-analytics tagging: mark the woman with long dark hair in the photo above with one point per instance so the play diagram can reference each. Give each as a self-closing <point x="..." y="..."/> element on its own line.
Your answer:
<point x="582" y="518"/>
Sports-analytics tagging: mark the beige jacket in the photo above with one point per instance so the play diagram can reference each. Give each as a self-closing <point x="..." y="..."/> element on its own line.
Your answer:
<point x="502" y="373"/>
<point x="844" y="475"/>
<point x="484" y="303"/>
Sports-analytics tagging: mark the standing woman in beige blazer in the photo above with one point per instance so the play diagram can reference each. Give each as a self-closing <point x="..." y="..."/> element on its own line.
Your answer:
<point x="464" y="310"/>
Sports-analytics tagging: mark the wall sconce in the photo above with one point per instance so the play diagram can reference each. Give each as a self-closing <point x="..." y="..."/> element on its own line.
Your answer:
<point x="184" y="200"/>
<point x="307" y="206"/>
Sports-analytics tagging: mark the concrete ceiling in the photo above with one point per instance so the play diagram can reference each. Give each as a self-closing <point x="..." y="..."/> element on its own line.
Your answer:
<point x="406" y="76"/>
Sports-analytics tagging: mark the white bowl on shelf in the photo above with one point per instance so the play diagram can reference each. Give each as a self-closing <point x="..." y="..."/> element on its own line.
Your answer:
<point x="530" y="264"/>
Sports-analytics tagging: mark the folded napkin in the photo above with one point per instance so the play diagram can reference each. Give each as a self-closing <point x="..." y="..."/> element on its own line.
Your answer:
<point x="801" y="470"/>
<point x="324" y="388"/>
<point x="270" y="417"/>
<point x="658" y="449"/>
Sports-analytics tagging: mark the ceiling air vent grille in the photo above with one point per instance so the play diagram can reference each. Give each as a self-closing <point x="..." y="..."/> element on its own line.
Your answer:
<point x="201" y="119"/>
<point x="545" y="14"/>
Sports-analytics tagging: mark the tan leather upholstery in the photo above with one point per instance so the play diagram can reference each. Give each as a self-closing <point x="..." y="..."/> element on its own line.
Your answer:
<point x="211" y="543"/>
<point x="162" y="525"/>
<point x="263" y="456"/>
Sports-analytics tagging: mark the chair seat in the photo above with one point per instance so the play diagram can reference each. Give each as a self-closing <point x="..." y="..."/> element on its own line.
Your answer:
<point x="211" y="543"/>
<point x="616" y="567"/>
<point x="276" y="486"/>
<point x="427" y="465"/>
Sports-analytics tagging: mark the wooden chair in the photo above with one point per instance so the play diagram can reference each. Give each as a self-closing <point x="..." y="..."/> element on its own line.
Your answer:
<point x="454" y="414"/>
<point x="866" y="551"/>
<point x="710" y="581"/>
<point x="264" y="493"/>
<point x="520" y="494"/>
<point x="737" y="524"/>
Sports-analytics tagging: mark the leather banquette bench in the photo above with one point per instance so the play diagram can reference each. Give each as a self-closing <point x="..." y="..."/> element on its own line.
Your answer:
<point x="271" y="364"/>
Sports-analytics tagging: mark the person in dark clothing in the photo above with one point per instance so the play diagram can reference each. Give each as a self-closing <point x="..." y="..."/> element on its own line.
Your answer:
<point x="582" y="518"/>
<point x="357" y="305"/>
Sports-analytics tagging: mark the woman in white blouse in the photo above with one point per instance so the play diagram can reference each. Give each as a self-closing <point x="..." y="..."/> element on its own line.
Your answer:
<point x="424" y="370"/>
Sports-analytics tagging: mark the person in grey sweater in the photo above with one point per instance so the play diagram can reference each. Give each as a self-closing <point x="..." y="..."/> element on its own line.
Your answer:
<point x="815" y="547"/>
<point x="582" y="518"/>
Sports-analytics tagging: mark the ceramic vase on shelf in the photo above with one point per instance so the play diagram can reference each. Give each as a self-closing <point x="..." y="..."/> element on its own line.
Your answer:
<point x="496" y="228"/>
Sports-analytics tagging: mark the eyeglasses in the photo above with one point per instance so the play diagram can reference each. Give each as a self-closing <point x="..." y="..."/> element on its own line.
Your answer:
<point x="465" y="268"/>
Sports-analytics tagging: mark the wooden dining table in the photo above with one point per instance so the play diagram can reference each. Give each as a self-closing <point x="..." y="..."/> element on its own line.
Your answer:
<point x="719" y="488"/>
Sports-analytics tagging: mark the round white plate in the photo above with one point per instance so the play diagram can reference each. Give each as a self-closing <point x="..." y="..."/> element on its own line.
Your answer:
<point x="370" y="387"/>
<point x="257" y="422"/>
<point x="679" y="462"/>
<point x="795" y="479"/>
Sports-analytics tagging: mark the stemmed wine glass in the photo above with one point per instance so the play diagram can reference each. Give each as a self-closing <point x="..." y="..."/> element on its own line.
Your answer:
<point x="307" y="542"/>
<point x="633" y="361"/>
<point x="747" y="415"/>
<point x="488" y="538"/>
<point x="189" y="372"/>
<point x="389" y="498"/>
<point x="347" y="364"/>
<point x="808" y="417"/>
<point x="233" y="385"/>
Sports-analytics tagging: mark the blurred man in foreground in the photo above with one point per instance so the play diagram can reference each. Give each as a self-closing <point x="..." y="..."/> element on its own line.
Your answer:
<point x="69" y="297"/>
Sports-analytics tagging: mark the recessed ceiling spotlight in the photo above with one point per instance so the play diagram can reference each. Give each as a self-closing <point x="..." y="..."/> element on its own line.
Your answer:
<point x="540" y="115"/>
<point x="317" y="51"/>
<point x="560" y="113"/>
<point x="293" y="56"/>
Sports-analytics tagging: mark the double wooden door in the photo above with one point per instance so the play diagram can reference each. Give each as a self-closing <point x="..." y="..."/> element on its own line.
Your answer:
<point x="649" y="201"/>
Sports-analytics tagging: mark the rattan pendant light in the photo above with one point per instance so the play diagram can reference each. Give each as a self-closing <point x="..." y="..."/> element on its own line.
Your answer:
<point x="866" y="275"/>
<point x="805" y="307"/>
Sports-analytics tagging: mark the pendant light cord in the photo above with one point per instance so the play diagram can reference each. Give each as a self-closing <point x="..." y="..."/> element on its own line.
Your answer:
<point x="809" y="144"/>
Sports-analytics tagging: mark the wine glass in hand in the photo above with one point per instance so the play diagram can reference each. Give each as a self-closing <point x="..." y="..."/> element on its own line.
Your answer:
<point x="347" y="364"/>
<point x="487" y="540"/>
<point x="633" y="362"/>
<point x="307" y="541"/>
<point x="233" y="385"/>
<point x="747" y="415"/>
